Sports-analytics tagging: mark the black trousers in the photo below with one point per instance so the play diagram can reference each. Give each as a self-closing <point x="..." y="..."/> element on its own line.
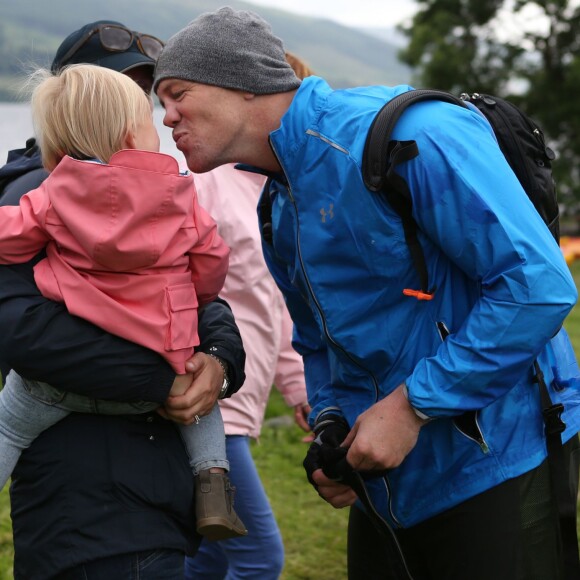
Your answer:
<point x="510" y="532"/>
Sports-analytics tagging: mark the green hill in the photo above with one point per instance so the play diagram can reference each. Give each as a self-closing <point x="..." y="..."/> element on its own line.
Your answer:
<point x="31" y="30"/>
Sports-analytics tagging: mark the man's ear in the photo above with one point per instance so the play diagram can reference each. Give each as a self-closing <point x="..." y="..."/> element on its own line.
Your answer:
<point x="129" y="142"/>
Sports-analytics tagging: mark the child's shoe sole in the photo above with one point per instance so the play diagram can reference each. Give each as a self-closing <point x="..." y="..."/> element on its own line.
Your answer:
<point x="215" y="529"/>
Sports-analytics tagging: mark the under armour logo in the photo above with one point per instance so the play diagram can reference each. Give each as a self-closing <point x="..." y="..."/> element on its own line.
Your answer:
<point x="329" y="213"/>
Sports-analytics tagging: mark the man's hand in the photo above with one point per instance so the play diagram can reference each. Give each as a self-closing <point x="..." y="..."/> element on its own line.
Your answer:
<point x="199" y="398"/>
<point x="383" y="435"/>
<point x="329" y="434"/>
<point x="337" y="494"/>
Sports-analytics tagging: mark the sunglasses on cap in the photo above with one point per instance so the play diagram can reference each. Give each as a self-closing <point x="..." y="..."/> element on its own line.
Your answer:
<point x="116" y="38"/>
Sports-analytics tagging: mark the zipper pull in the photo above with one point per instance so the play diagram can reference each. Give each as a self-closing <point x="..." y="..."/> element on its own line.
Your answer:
<point x="419" y="294"/>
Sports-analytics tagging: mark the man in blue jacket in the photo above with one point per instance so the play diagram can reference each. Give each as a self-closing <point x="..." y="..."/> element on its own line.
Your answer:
<point x="440" y="393"/>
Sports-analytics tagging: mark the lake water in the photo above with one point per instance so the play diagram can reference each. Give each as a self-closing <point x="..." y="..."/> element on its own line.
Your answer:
<point x="16" y="127"/>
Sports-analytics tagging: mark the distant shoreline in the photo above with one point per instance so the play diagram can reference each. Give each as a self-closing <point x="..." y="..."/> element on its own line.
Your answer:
<point x="16" y="127"/>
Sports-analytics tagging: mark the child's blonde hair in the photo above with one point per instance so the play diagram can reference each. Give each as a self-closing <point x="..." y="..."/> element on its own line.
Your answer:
<point x="85" y="111"/>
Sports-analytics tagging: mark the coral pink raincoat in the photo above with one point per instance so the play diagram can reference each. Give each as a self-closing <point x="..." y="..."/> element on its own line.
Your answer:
<point x="128" y="248"/>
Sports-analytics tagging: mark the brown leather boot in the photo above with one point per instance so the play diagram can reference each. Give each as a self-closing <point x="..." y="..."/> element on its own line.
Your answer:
<point x="214" y="507"/>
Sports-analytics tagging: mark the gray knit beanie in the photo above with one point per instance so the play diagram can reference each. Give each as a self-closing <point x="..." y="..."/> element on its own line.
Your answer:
<point x="229" y="49"/>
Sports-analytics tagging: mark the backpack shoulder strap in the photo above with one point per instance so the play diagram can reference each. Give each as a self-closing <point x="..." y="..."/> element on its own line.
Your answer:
<point x="265" y="213"/>
<point x="558" y="464"/>
<point x="380" y="158"/>
<point x="375" y="157"/>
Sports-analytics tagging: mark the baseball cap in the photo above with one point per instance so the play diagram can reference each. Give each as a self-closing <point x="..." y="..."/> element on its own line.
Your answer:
<point x="93" y="51"/>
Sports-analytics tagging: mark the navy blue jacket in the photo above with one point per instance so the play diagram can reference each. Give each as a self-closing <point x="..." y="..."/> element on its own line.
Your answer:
<point x="22" y="173"/>
<point x="95" y="486"/>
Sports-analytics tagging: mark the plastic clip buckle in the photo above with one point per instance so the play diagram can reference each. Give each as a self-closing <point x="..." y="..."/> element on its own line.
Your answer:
<point x="552" y="419"/>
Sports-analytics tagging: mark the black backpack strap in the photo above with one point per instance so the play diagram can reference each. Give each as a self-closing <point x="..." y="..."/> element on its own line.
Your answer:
<point x="401" y="202"/>
<point x="553" y="428"/>
<point x="375" y="157"/>
<point x="265" y="213"/>
<point x="380" y="158"/>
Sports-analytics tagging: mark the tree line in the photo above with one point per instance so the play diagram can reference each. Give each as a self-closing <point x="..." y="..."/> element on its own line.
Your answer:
<point x="528" y="52"/>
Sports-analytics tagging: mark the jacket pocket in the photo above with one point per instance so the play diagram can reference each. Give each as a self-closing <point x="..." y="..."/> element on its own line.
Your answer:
<point x="182" y="307"/>
<point x="468" y="426"/>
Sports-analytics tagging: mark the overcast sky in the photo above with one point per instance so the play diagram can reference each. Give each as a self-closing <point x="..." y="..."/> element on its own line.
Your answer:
<point x="356" y="13"/>
<point x="388" y="13"/>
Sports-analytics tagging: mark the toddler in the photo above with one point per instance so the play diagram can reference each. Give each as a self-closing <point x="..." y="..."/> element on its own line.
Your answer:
<point x="128" y="248"/>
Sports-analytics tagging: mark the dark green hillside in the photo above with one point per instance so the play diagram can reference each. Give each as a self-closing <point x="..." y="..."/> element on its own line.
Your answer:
<point x="31" y="30"/>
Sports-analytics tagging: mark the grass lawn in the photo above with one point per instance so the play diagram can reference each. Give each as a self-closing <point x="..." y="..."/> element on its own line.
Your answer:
<point x="314" y="533"/>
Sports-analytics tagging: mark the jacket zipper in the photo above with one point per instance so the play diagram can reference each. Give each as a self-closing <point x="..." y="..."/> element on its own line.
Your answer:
<point x="479" y="439"/>
<point x="321" y="314"/>
<point x="390" y="502"/>
<point x="312" y="294"/>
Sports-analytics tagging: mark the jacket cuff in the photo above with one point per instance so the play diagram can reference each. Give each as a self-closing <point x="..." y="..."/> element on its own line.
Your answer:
<point x="419" y="414"/>
<point x="295" y="398"/>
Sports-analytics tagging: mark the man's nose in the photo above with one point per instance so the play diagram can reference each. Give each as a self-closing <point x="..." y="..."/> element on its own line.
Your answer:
<point x="170" y="118"/>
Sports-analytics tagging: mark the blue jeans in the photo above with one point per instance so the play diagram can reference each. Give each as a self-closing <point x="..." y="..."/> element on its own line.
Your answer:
<point x="151" y="565"/>
<point x="260" y="554"/>
<point x="27" y="408"/>
<point x="206" y="442"/>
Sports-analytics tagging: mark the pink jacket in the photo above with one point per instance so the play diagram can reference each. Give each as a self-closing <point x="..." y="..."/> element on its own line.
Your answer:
<point x="128" y="248"/>
<point x="231" y="197"/>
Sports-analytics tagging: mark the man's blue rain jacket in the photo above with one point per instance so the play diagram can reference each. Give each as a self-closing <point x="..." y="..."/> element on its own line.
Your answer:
<point x="503" y="290"/>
